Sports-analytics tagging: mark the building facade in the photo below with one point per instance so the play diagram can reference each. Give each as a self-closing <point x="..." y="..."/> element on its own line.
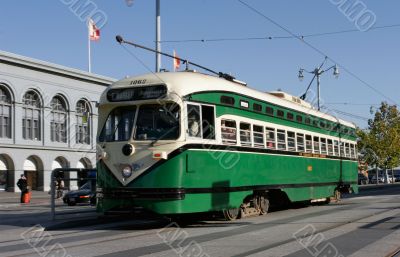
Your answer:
<point x="48" y="120"/>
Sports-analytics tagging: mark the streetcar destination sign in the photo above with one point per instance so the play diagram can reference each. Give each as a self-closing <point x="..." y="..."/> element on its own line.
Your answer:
<point x="138" y="93"/>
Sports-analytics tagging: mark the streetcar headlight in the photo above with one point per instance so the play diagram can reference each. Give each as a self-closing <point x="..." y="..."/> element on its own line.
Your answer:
<point x="128" y="149"/>
<point x="127" y="171"/>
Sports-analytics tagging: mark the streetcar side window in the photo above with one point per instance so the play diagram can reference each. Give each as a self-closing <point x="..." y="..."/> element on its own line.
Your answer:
<point x="194" y="120"/>
<point x="323" y="145"/>
<point x="208" y="121"/>
<point x="316" y="144"/>
<point x="281" y="135"/>
<point x="291" y="141"/>
<point x="269" y="111"/>
<point x="245" y="134"/>
<point x="352" y="151"/>
<point x="347" y="150"/>
<point x="228" y="132"/>
<point x="270" y="135"/>
<point x="227" y="100"/>
<point x="336" y="147"/>
<point x="300" y="142"/>
<point x="342" y="149"/>
<point x="258" y="136"/>
<point x="290" y="116"/>
<point x="299" y="119"/>
<point x="308" y="144"/>
<point x="257" y="107"/>
<point x="280" y="113"/>
<point x="355" y="152"/>
<point x="330" y="147"/>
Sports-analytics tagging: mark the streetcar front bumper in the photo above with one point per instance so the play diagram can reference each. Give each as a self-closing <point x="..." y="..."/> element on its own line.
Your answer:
<point x="141" y="193"/>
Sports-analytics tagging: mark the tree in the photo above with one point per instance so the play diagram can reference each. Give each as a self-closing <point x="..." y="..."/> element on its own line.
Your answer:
<point x="380" y="143"/>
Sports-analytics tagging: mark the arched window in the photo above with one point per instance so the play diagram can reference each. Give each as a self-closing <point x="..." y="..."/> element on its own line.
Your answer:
<point x="32" y="109"/>
<point x="5" y="112"/>
<point x="58" y="122"/>
<point x="83" y="121"/>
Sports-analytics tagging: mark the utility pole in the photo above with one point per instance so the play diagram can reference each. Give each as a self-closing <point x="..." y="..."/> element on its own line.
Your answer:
<point x="317" y="74"/>
<point x="158" y="36"/>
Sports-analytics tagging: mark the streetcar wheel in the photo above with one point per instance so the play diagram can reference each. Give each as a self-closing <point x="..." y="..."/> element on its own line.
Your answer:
<point x="337" y="195"/>
<point x="231" y="214"/>
<point x="264" y="205"/>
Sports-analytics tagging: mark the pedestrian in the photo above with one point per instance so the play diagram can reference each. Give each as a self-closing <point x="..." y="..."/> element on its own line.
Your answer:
<point x="59" y="187"/>
<point x="23" y="186"/>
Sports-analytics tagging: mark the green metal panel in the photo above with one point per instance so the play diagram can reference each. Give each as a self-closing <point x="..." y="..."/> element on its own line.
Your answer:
<point x="227" y="169"/>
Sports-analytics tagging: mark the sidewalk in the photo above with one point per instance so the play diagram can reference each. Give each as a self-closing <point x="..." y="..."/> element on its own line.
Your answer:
<point x="11" y="197"/>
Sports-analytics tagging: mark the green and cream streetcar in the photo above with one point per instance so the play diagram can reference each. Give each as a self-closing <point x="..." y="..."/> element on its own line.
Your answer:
<point x="186" y="142"/>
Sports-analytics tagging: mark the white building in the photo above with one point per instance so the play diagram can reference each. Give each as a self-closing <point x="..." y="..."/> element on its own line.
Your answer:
<point x="48" y="119"/>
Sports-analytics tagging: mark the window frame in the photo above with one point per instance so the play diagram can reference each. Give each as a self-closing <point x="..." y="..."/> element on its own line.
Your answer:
<point x="281" y="142"/>
<point x="83" y="130"/>
<point x="245" y="143"/>
<point x="268" y="139"/>
<point x="188" y="136"/>
<point x="229" y="141"/>
<point x="258" y="145"/>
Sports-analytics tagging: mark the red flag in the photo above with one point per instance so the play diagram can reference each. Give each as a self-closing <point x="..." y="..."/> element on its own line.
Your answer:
<point x="94" y="32"/>
<point x="177" y="61"/>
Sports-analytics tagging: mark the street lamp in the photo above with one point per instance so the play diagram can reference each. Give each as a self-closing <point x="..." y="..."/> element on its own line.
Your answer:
<point x="317" y="73"/>
<point x="158" y="32"/>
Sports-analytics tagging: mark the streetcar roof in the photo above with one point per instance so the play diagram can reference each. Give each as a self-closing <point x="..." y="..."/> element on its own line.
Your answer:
<point x="185" y="83"/>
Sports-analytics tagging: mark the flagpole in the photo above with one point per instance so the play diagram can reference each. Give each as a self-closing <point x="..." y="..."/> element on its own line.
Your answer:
<point x="89" y="50"/>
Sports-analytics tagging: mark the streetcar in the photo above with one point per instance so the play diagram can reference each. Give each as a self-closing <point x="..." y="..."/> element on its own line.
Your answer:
<point x="187" y="142"/>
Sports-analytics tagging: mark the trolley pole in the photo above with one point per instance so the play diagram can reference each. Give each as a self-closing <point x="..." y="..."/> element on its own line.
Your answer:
<point x="158" y="36"/>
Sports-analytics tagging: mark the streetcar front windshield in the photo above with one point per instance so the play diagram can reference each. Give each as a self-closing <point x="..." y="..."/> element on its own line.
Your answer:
<point x="119" y="124"/>
<point x="154" y="122"/>
<point x="158" y="122"/>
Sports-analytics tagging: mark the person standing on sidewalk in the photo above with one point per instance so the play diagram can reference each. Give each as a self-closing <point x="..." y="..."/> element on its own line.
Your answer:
<point x="23" y="186"/>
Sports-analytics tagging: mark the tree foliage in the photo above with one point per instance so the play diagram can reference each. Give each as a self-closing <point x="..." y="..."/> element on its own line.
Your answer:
<point x="380" y="143"/>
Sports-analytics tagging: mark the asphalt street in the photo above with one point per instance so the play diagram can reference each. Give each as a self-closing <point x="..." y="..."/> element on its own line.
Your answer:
<point x="367" y="224"/>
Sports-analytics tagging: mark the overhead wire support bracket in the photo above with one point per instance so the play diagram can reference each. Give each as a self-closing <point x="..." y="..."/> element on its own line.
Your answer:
<point x="226" y="76"/>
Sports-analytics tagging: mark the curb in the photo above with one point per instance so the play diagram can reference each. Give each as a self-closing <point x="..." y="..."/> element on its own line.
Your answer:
<point x="377" y="187"/>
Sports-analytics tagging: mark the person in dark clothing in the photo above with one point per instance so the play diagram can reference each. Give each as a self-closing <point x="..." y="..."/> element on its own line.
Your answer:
<point x="23" y="186"/>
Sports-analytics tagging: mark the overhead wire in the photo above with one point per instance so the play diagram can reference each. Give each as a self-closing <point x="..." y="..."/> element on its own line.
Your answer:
<point x="355" y="104"/>
<point x="317" y="50"/>
<point x="204" y="40"/>
<point x="352" y="115"/>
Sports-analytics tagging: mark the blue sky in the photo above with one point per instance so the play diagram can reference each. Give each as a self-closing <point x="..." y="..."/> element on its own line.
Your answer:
<point x="50" y="31"/>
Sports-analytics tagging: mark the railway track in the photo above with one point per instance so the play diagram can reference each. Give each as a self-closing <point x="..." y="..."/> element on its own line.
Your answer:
<point x="253" y="226"/>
